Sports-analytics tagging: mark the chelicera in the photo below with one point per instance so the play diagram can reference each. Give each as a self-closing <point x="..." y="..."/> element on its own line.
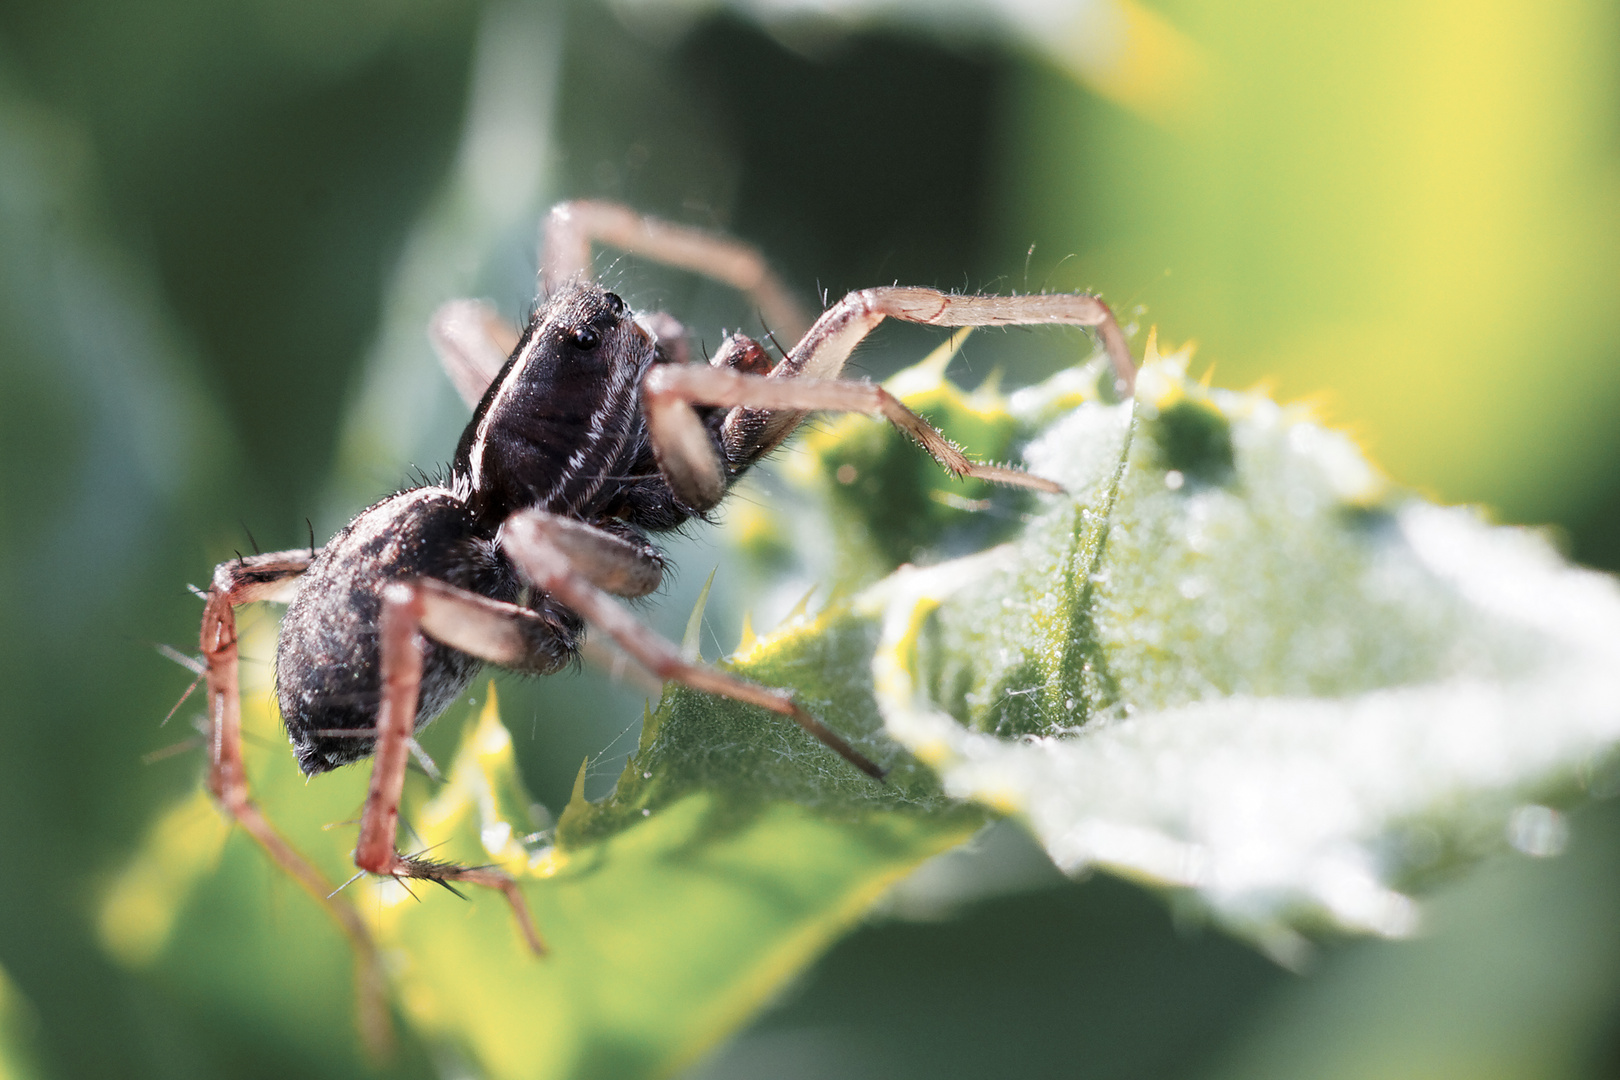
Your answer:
<point x="591" y="432"/>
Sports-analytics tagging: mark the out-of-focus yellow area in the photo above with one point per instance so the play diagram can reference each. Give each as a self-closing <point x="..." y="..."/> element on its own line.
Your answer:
<point x="140" y="910"/>
<point x="1405" y="209"/>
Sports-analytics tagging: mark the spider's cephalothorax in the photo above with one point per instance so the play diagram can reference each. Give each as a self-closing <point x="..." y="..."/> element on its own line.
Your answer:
<point x="561" y="427"/>
<point x="590" y="430"/>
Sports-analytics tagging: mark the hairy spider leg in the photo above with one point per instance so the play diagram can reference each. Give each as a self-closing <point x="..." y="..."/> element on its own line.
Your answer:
<point x="243" y="581"/>
<point x="826" y="348"/>
<point x="571" y="227"/>
<point x="574" y="563"/>
<point x="687" y="457"/>
<point x="822" y="352"/>
<point x="401" y="659"/>
<point x="766" y="408"/>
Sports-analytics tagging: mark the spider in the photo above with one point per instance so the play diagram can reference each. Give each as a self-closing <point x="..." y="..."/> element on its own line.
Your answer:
<point x="590" y="431"/>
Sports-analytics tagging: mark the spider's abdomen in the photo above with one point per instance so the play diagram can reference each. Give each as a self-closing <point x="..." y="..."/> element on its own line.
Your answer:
<point x="327" y="663"/>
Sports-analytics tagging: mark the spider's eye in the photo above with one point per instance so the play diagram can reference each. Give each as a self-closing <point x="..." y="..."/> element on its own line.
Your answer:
<point x="585" y="338"/>
<point x="615" y="305"/>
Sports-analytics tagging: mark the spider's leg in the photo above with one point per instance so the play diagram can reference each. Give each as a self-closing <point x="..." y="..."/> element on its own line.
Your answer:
<point x="550" y="551"/>
<point x="518" y="639"/>
<point x="823" y="351"/>
<point x="572" y="226"/>
<point x="402" y="612"/>
<point x="692" y="463"/>
<point x="473" y="342"/>
<point x="242" y="581"/>
<point x="606" y="560"/>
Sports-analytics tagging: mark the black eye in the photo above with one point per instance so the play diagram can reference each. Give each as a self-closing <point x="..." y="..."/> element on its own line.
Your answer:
<point x="585" y="338"/>
<point x="615" y="305"/>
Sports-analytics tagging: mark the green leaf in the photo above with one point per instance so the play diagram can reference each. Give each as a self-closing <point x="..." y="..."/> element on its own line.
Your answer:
<point x="1237" y="664"/>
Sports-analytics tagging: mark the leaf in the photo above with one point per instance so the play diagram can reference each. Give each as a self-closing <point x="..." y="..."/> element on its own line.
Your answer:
<point x="1237" y="663"/>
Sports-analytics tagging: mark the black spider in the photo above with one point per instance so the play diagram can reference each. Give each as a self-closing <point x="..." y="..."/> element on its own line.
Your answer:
<point x="590" y="432"/>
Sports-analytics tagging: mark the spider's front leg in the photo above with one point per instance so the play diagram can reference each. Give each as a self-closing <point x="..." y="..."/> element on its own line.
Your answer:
<point x="243" y="581"/>
<point x="766" y="408"/>
<point x="688" y="458"/>
<point x="764" y="415"/>
<point x="404" y="606"/>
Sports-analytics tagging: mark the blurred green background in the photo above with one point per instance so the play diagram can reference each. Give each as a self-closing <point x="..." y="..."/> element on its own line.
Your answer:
<point x="222" y="226"/>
